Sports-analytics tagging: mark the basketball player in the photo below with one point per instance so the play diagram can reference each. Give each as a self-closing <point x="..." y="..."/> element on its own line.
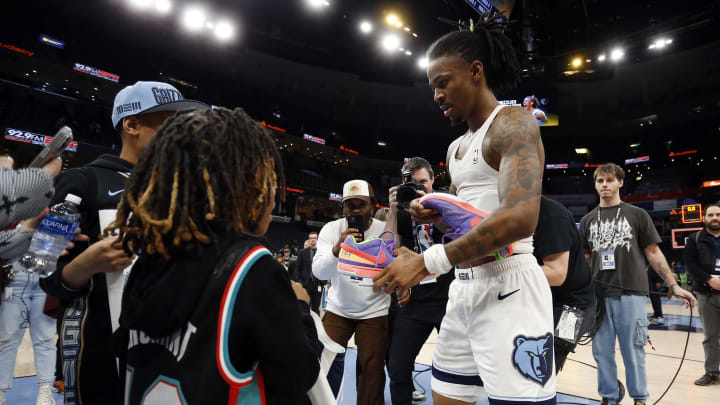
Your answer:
<point x="498" y="324"/>
<point x="531" y="104"/>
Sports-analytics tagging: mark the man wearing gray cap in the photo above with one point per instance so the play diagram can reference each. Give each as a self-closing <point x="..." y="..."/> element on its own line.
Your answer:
<point x="90" y="367"/>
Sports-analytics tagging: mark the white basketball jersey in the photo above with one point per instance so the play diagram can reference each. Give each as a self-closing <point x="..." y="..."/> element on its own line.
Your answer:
<point x="476" y="182"/>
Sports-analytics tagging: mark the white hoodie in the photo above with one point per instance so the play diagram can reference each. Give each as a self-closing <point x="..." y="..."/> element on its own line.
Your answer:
<point x="346" y="297"/>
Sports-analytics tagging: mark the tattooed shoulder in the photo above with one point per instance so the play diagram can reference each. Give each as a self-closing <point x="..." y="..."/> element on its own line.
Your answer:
<point x="515" y="140"/>
<point x="514" y="126"/>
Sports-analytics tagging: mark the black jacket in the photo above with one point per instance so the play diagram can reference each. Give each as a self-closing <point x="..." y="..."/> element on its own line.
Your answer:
<point x="91" y="374"/>
<point x="700" y="259"/>
<point x="302" y="269"/>
<point x="217" y="324"/>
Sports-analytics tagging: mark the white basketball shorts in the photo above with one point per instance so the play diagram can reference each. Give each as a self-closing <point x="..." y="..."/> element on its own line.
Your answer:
<point x="497" y="332"/>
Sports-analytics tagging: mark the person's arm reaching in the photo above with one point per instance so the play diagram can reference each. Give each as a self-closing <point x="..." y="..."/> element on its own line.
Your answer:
<point x="105" y="256"/>
<point x="516" y="146"/>
<point x="391" y="220"/>
<point x="324" y="264"/>
<point x="555" y="267"/>
<point x="657" y="260"/>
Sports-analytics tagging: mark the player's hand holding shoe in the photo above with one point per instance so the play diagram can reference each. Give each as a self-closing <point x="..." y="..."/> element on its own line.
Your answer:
<point x="407" y="270"/>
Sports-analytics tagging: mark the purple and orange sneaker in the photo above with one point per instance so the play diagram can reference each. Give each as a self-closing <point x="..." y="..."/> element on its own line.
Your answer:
<point x="460" y="217"/>
<point x="362" y="261"/>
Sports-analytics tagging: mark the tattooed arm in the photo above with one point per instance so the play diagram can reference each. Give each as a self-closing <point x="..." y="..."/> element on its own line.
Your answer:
<point x="658" y="262"/>
<point x="513" y="147"/>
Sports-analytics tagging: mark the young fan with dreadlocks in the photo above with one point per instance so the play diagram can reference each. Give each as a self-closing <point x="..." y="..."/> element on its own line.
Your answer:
<point x="498" y="325"/>
<point x="91" y="373"/>
<point x="207" y="314"/>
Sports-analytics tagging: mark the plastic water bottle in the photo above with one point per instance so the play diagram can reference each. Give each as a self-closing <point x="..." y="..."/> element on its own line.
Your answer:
<point x="55" y="232"/>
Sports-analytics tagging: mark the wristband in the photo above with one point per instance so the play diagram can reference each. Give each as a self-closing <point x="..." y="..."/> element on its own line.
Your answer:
<point x="436" y="260"/>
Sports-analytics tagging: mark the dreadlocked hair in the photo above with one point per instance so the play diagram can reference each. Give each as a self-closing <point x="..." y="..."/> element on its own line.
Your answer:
<point x="484" y="41"/>
<point x="205" y="172"/>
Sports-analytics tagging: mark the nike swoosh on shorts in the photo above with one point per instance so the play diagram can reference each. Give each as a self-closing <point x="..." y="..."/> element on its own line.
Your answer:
<point x="502" y="297"/>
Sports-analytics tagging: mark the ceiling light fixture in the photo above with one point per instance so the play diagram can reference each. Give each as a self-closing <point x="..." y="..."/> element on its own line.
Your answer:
<point x="141" y="4"/>
<point x="224" y="31"/>
<point x="366" y="27"/>
<point x="390" y="42"/>
<point x="163" y="6"/>
<point x="318" y="3"/>
<point x="193" y="18"/>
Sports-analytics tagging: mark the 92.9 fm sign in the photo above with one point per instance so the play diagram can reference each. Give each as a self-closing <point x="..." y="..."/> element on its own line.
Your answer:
<point x="19" y="135"/>
<point x="79" y="67"/>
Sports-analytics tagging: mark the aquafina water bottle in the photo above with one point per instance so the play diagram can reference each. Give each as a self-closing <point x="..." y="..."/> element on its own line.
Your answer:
<point x="55" y="232"/>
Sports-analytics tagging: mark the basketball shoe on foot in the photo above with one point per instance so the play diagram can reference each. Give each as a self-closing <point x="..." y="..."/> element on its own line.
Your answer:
<point x="460" y="217"/>
<point x="45" y="395"/>
<point x="361" y="261"/>
<point x="418" y="398"/>
<point x="58" y="386"/>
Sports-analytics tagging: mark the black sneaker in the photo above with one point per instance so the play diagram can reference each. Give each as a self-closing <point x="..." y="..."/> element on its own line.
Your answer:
<point x="621" y="395"/>
<point x="707" y="379"/>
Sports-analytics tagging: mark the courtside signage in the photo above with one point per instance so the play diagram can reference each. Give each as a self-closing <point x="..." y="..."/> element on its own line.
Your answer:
<point x="89" y="70"/>
<point x="33" y="138"/>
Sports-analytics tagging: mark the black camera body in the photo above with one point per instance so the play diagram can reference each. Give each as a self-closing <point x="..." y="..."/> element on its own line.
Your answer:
<point x="408" y="191"/>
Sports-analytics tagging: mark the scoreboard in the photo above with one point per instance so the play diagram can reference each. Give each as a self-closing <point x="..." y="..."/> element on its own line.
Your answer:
<point x="692" y="214"/>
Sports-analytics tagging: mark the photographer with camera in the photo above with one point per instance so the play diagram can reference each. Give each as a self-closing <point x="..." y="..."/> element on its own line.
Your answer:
<point x="422" y="307"/>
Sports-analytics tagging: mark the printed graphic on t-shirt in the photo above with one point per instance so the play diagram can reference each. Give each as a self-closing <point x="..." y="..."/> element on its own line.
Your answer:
<point x="424" y="237"/>
<point x="610" y="233"/>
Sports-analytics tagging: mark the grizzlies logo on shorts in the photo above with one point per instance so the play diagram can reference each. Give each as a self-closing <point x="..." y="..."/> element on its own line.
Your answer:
<point x="533" y="357"/>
